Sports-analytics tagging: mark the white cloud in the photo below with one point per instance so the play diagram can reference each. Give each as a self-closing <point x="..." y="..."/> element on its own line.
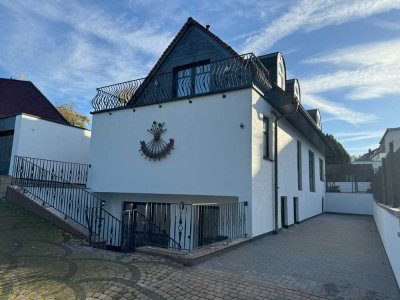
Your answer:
<point x="68" y="48"/>
<point x="387" y="25"/>
<point x="358" y="136"/>
<point x="368" y="71"/>
<point x="361" y="149"/>
<point x="309" y="15"/>
<point x="336" y="110"/>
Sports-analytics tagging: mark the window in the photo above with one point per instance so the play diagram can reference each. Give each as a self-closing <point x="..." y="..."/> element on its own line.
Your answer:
<point x="281" y="74"/>
<point x="266" y="143"/>
<point x="299" y="168"/>
<point x="321" y="169"/>
<point x="311" y="173"/>
<point x="192" y="79"/>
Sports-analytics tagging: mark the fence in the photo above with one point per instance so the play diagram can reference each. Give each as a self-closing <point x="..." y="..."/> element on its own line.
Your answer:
<point x="73" y="201"/>
<point x="349" y="178"/>
<point x="183" y="226"/>
<point x="386" y="182"/>
<point x="75" y="173"/>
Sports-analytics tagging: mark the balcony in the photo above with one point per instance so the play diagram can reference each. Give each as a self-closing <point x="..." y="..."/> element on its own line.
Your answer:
<point x="215" y="77"/>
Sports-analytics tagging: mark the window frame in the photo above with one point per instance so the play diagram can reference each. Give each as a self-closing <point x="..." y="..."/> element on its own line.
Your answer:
<point x="299" y="167"/>
<point x="266" y="138"/>
<point x="321" y="170"/>
<point x="192" y="67"/>
<point x="311" y="170"/>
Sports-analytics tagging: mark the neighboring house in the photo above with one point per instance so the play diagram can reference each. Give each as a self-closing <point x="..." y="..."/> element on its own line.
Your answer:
<point x="31" y="126"/>
<point x="391" y="135"/>
<point x="374" y="157"/>
<point x="200" y="131"/>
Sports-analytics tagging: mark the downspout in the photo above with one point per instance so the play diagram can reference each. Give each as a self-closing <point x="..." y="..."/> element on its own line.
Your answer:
<point x="276" y="225"/>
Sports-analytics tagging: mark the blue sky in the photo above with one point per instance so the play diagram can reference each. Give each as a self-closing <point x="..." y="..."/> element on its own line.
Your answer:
<point x="346" y="54"/>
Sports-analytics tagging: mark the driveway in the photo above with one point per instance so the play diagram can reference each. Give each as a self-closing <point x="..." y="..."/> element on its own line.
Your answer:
<point x="331" y="256"/>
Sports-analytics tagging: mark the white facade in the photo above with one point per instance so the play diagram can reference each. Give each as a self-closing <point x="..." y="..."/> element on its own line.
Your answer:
<point x="392" y="135"/>
<point x="387" y="221"/>
<point x="38" y="138"/>
<point x="214" y="159"/>
<point x="349" y="203"/>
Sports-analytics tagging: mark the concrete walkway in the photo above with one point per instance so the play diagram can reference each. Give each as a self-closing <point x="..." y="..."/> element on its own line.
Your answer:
<point x="331" y="256"/>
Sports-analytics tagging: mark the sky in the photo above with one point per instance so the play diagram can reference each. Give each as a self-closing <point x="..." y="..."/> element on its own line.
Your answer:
<point x="345" y="53"/>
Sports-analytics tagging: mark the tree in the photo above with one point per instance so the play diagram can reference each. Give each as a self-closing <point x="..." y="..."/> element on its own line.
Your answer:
<point x="75" y="118"/>
<point x="342" y="157"/>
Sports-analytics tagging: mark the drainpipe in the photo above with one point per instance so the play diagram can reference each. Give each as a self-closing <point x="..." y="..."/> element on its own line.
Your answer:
<point x="276" y="226"/>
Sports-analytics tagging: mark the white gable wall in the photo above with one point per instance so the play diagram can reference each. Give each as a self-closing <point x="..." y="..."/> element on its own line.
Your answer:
<point x="392" y="136"/>
<point x="211" y="155"/>
<point x="38" y="138"/>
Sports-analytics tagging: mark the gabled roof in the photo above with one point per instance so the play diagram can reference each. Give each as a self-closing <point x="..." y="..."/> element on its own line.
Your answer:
<point x="313" y="114"/>
<point x="369" y="155"/>
<point x="270" y="62"/>
<point x="190" y="22"/>
<point x="17" y="97"/>
<point x="386" y="132"/>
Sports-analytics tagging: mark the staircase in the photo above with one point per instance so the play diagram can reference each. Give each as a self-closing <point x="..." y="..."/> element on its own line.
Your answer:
<point x="67" y="205"/>
<point x="4" y="183"/>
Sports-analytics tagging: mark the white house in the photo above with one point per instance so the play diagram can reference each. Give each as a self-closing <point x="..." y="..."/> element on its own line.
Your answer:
<point x="31" y="127"/>
<point x="195" y="142"/>
<point x="374" y="157"/>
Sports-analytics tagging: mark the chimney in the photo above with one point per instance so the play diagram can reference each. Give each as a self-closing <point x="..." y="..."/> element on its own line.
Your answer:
<point x="22" y="76"/>
<point x="208" y="27"/>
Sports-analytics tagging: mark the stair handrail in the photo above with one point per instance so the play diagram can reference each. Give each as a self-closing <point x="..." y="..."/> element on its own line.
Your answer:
<point x="150" y="222"/>
<point x="99" y="202"/>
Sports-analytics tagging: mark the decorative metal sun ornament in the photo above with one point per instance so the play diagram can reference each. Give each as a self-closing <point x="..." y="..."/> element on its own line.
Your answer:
<point x="157" y="148"/>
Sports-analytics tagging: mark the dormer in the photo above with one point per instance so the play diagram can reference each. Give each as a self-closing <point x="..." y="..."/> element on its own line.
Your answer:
<point x="275" y="63"/>
<point x="316" y="116"/>
<point x="293" y="88"/>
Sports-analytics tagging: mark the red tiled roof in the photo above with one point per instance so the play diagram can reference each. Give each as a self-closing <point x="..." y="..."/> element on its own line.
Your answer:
<point x="18" y="97"/>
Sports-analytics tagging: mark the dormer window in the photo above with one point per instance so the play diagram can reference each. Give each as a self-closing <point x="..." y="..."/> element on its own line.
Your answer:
<point x="192" y="79"/>
<point x="281" y="73"/>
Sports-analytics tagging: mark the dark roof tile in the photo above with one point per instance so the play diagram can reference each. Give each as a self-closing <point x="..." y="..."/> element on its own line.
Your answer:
<point x="17" y="97"/>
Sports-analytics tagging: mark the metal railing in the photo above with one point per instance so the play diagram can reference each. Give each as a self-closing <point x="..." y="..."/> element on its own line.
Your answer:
<point x="71" y="200"/>
<point x="348" y="178"/>
<point x="348" y="187"/>
<point x="75" y="173"/>
<point x="216" y="77"/>
<point x="105" y="230"/>
<point x="182" y="226"/>
<point x="138" y="230"/>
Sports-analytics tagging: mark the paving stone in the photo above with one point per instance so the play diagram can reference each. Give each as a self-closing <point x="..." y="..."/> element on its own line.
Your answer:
<point x="328" y="257"/>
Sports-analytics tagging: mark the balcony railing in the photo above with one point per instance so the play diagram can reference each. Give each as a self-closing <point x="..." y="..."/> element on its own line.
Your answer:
<point x="218" y="77"/>
<point x="182" y="226"/>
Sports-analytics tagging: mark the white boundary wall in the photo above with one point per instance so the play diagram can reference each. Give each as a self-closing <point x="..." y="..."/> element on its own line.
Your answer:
<point x="349" y="203"/>
<point x="38" y="138"/>
<point x="389" y="227"/>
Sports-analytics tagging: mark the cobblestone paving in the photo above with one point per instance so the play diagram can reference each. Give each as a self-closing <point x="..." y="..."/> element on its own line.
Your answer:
<point x="40" y="261"/>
